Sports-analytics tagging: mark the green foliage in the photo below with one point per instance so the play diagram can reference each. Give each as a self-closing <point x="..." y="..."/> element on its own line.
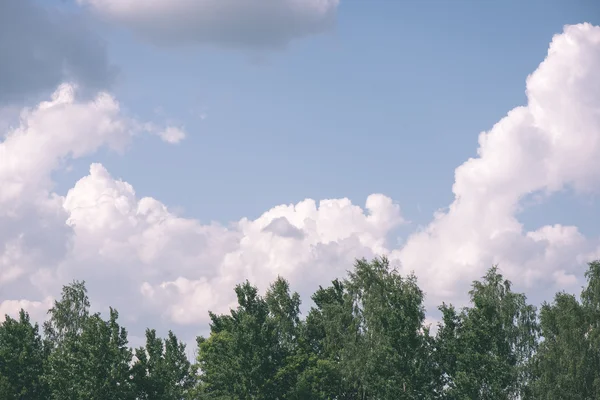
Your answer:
<point x="389" y="346"/>
<point x="84" y="357"/>
<point x="364" y="338"/>
<point x="248" y="353"/>
<point x="89" y="357"/>
<point x="486" y="349"/>
<point x="568" y="362"/>
<point x="368" y="332"/>
<point x="162" y="369"/>
<point x="22" y="359"/>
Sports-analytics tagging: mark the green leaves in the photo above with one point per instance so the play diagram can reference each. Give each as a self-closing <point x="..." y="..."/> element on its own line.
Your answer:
<point x="162" y="369"/>
<point x="386" y="348"/>
<point x="485" y="350"/>
<point x="363" y="338"/>
<point x="84" y="357"/>
<point x="89" y="357"/>
<point x="248" y="353"/>
<point x="568" y="362"/>
<point x="22" y="359"/>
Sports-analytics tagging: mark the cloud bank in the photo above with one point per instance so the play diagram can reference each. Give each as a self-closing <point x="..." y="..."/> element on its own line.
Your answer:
<point x="255" y="24"/>
<point x="157" y="267"/>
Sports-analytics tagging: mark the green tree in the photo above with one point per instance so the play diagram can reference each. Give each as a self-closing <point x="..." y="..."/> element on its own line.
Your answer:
<point x="568" y="361"/>
<point x="162" y="369"/>
<point x="391" y="348"/>
<point x="69" y="315"/>
<point x="22" y="358"/>
<point x="322" y="344"/>
<point x="250" y="354"/>
<point x="368" y="337"/>
<point x="89" y="357"/>
<point x="485" y="351"/>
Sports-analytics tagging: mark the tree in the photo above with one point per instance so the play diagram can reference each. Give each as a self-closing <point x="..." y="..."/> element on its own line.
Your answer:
<point x="590" y="298"/>
<point x="568" y="361"/>
<point x="391" y="350"/>
<point x="485" y="351"/>
<point x="89" y="357"/>
<point x="69" y="315"/>
<point x="22" y="359"/>
<point x="250" y="353"/>
<point x="322" y="341"/>
<point x="162" y="369"/>
<point x="364" y="338"/>
<point x="367" y="334"/>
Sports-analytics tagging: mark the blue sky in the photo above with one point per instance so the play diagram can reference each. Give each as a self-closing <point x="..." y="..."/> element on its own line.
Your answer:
<point x="390" y="101"/>
<point x="363" y="98"/>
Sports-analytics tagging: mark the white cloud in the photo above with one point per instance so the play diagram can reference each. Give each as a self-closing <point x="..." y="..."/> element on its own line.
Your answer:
<point x="172" y="134"/>
<point x="148" y="262"/>
<point x="255" y="24"/>
<point x="186" y="268"/>
<point x="61" y="128"/>
<point x="551" y="144"/>
<point x="36" y="309"/>
<point x="34" y="236"/>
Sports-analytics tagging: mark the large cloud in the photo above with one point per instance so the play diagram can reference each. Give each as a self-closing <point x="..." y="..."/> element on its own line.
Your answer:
<point x="256" y="24"/>
<point x="42" y="47"/>
<point x="154" y="265"/>
<point x="34" y="236"/>
<point x="551" y="144"/>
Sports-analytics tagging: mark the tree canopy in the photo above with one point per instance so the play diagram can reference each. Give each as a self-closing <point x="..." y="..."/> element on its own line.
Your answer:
<point x="365" y="337"/>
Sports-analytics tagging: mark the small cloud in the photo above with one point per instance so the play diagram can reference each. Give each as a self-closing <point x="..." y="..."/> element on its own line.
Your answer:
<point x="172" y="135"/>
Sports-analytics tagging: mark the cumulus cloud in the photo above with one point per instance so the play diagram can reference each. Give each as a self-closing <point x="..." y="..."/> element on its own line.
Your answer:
<point x="34" y="235"/>
<point x="156" y="266"/>
<point x="42" y="47"/>
<point x="36" y="309"/>
<point x="171" y="134"/>
<point x="550" y="144"/>
<point x="258" y="24"/>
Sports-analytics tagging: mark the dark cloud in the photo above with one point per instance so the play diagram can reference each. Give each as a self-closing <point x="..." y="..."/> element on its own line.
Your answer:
<point x="42" y="47"/>
<point x="248" y="24"/>
<point x="282" y="227"/>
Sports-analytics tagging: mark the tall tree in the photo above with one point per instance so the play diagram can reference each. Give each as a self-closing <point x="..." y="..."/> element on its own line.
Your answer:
<point x="391" y="348"/>
<point x="368" y="336"/>
<point x="69" y="315"/>
<point x="162" y="369"/>
<point x="248" y="352"/>
<point x="89" y="356"/>
<point x="485" y="351"/>
<point x="22" y="358"/>
<point x="321" y="342"/>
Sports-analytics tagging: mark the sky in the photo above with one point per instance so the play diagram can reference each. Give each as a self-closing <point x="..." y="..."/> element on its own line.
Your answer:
<point x="165" y="152"/>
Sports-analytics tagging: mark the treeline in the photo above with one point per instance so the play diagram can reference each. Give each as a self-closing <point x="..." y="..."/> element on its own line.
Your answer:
<point x="364" y="338"/>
